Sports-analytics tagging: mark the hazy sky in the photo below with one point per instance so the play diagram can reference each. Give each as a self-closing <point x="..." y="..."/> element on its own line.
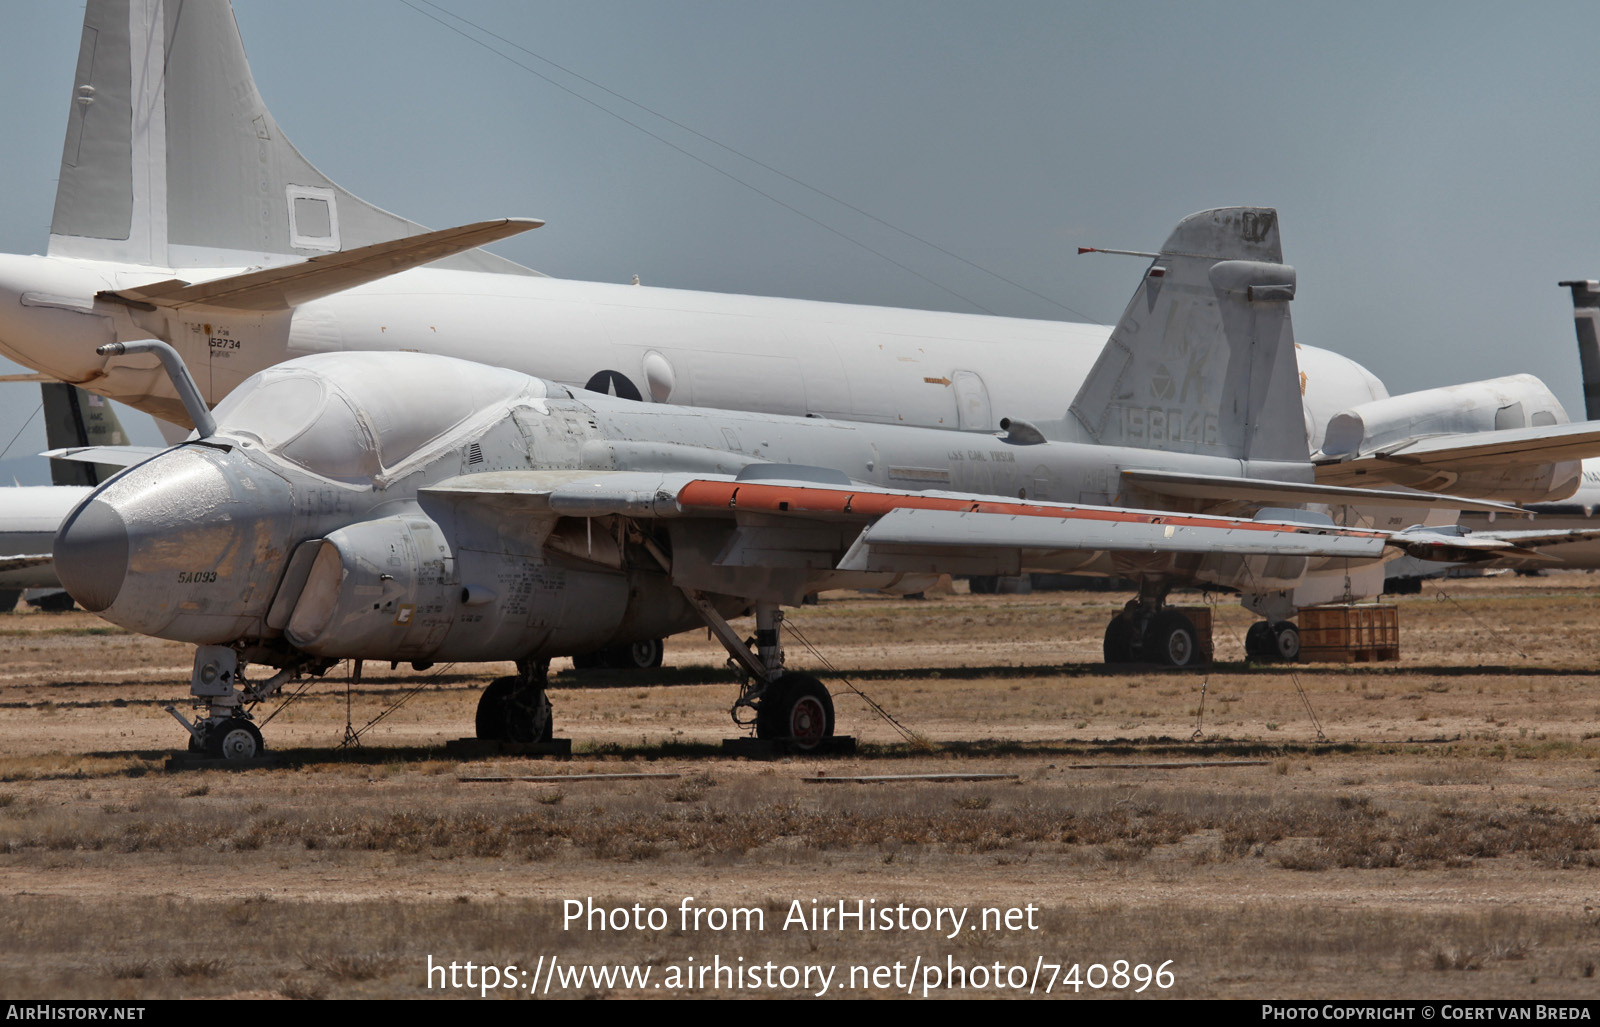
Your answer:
<point x="1433" y="163"/>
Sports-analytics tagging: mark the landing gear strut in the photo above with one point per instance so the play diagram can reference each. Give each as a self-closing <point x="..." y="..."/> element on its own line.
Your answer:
<point x="1148" y="631"/>
<point x="789" y="707"/>
<point x="516" y="708"/>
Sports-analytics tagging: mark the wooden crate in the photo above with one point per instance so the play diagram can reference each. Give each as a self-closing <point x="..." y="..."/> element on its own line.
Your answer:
<point x="1350" y="633"/>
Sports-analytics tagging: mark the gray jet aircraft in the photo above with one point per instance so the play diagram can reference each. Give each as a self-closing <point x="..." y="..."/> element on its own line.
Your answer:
<point x="414" y="507"/>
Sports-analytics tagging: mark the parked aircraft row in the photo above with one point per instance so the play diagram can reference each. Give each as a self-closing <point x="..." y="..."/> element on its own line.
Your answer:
<point x="945" y="442"/>
<point x="408" y="506"/>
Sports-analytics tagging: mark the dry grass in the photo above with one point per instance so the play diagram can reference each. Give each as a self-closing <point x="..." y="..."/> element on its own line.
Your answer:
<point x="1449" y="856"/>
<point x="1249" y="951"/>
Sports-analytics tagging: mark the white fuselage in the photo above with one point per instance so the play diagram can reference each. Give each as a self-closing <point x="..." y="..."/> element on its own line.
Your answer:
<point x="883" y="365"/>
<point x="29" y="517"/>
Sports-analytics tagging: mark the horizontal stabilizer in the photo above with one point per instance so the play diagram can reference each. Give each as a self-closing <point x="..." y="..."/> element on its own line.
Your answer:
<point x="1456" y="544"/>
<point x="1258" y="490"/>
<point x="116" y="456"/>
<point x="1454" y="453"/>
<point x="28" y="378"/>
<point x="279" y="288"/>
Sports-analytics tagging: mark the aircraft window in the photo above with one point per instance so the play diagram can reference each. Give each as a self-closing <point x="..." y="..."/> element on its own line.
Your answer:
<point x="338" y="446"/>
<point x="274" y="412"/>
<point x="329" y="413"/>
<point x="417" y="404"/>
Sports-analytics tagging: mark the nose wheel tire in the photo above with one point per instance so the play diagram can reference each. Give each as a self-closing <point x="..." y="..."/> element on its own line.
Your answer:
<point x="234" y="739"/>
<point x="797" y="709"/>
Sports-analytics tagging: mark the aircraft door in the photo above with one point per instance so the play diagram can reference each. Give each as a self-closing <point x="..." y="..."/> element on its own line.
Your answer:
<point x="972" y="402"/>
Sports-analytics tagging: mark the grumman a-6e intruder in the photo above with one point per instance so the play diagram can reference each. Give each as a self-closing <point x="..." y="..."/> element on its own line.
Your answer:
<point x="415" y="507"/>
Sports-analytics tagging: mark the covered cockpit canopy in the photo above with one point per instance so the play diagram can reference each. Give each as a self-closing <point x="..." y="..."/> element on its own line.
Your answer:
<point x="354" y="418"/>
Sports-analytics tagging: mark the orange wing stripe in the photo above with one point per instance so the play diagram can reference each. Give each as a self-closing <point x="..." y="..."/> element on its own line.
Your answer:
<point x="723" y="495"/>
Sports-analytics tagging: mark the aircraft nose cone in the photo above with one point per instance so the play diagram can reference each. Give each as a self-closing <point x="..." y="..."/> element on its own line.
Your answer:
<point x="91" y="555"/>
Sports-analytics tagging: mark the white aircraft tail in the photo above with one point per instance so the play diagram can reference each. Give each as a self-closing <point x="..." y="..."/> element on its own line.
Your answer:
<point x="1203" y="358"/>
<point x="172" y="159"/>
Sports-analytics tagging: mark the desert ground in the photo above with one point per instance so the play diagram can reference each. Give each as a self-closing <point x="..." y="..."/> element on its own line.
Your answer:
<point x="1422" y="828"/>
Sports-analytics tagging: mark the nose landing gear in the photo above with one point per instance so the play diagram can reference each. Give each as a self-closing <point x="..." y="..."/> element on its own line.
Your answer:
<point x="228" y="730"/>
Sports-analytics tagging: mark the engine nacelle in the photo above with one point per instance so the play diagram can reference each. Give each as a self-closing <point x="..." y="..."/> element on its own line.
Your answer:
<point x="380" y="589"/>
<point x="1518" y="401"/>
<point x="400" y="588"/>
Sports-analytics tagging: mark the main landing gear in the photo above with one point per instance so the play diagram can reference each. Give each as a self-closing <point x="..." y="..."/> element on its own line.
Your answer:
<point x="1272" y="641"/>
<point x="788" y="707"/>
<point x="516" y="708"/>
<point x="1149" y="631"/>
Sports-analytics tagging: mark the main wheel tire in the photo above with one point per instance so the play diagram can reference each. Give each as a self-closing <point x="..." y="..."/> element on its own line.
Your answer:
<point x="53" y="602"/>
<point x="646" y="655"/>
<point x="1258" y="641"/>
<point x="1171" y="640"/>
<point x="234" y="739"/>
<point x="490" y="722"/>
<point x="1286" y="642"/>
<point x="797" y="710"/>
<point x="512" y="711"/>
<point x="1121" y="634"/>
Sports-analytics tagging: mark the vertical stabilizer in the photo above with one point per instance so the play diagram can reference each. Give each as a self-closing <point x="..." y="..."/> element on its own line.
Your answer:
<point x="73" y="419"/>
<point x="171" y="158"/>
<point x="1586" y="318"/>
<point x="1202" y="360"/>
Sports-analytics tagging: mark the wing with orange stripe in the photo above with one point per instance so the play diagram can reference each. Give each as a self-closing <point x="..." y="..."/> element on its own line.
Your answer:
<point x="896" y="529"/>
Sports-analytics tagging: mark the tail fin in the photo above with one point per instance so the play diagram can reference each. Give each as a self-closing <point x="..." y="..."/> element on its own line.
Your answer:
<point x="1203" y="358"/>
<point x="1586" y="317"/>
<point x="173" y="160"/>
<point x="72" y="419"/>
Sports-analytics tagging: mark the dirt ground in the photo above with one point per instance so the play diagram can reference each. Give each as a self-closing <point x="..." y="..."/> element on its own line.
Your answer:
<point x="1423" y="828"/>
